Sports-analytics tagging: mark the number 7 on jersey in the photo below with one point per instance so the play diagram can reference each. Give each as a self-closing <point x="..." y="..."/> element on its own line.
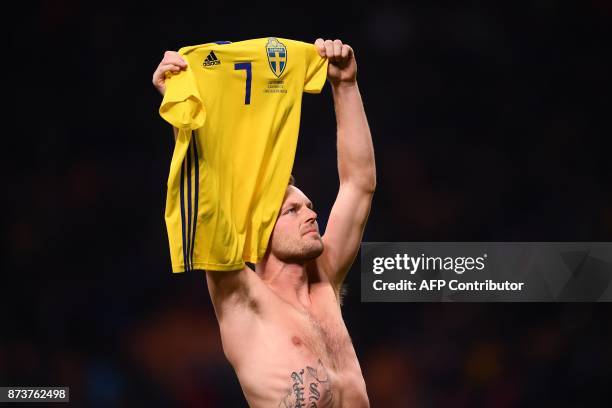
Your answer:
<point x="247" y="67"/>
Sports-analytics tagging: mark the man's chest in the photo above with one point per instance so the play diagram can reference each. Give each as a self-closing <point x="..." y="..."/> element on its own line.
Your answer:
<point x="300" y="356"/>
<point x="314" y="359"/>
<point x="315" y="333"/>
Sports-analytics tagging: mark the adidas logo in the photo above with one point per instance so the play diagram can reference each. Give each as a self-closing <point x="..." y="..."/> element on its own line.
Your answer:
<point x="211" y="60"/>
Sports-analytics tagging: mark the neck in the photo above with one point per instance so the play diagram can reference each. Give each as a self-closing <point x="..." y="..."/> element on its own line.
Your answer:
<point x="288" y="280"/>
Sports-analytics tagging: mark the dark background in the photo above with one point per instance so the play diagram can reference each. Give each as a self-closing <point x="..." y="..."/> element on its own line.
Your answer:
<point x="490" y="123"/>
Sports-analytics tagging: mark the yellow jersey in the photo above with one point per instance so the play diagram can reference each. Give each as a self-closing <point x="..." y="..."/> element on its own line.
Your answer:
<point x="237" y="107"/>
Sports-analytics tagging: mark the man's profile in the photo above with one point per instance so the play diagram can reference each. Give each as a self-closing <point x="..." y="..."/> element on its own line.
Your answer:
<point x="281" y="324"/>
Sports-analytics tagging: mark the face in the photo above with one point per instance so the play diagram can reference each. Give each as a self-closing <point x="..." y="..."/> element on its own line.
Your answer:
<point x="295" y="237"/>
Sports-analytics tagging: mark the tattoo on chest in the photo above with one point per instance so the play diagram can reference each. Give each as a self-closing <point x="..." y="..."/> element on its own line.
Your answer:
<point x="310" y="388"/>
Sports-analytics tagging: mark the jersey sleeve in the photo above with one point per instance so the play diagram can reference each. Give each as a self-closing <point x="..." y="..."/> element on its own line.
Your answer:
<point x="316" y="70"/>
<point x="182" y="105"/>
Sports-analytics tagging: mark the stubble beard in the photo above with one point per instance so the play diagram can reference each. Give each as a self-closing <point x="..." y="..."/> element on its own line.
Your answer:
<point x="298" y="251"/>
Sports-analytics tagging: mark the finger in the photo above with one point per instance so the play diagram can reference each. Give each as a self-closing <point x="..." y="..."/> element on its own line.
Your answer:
<point x="163" y="68"/>
<point x="178" y="67"/>
<point x="171" y="54"/>
<point x="160" y="81"/>
<point x="173" y="57"/>
<point x="345" y="51"/>
<point x="174" y="61"/>
<point x="351" y="51"/>
<point x="320" y="45"/>
<point x="337" y="49"/>
<point x="163" y="72"/>
<point x="170" y="72"/>
<point x="329" y="49"/>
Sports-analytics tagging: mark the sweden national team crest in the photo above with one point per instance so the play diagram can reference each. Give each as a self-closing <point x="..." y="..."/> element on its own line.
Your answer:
<point x="277" y="56"/>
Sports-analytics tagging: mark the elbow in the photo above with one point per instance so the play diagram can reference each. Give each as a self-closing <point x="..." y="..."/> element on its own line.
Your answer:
<point x="367" y="183"/>
<point x="370" y="186"/>
<point x="363" y="179"/>
<point x="370" y="180"/>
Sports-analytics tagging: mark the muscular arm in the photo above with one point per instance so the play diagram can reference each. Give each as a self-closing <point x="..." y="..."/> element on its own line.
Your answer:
<point x="356" y="169"/>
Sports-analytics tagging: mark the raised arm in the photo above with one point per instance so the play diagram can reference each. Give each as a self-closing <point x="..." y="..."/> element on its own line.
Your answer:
<point x="356" y="166"/>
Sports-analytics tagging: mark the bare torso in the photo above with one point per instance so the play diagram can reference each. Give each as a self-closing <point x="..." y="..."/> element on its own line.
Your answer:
<point x="288" y="356"/>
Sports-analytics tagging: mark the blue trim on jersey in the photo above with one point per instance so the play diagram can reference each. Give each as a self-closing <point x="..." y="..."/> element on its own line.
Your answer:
<point x="182" y="192"/>
<point x="196" y="166"/>
<point x="223" y="42"/>
<point x="188" y="205"/>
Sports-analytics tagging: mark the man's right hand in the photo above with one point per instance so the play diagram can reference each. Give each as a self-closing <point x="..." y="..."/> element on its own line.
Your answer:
<point x="171" y="63"/>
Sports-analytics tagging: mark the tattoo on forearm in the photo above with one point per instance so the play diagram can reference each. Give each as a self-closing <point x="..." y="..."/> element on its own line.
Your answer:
<point x="310" y="388"/>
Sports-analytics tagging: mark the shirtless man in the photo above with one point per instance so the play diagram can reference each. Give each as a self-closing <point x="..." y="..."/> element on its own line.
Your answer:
<point x="281" y="324"/>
